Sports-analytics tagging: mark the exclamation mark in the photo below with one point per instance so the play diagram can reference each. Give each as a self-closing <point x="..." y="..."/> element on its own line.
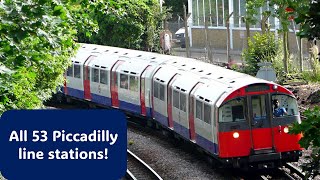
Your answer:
<point x="106" y="153"/>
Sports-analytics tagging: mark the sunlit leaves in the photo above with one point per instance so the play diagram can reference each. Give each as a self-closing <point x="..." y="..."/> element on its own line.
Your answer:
<point x="37" y="39"/>
<point x="130" y="24"/>
<point x="309" y="127"/>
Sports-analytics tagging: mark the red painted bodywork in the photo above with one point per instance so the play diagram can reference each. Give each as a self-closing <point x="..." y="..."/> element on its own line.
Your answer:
<point x="86" y="78"/>
<point x="169" y="108"/>
<point x="284" y="141"/>
<point x="262" y="138"/>
<point x="142" y="93"/>
<point x="192" y="130"/>
<point x="86" y="84"/>
<point x="231" y="147"/>
<point x="65" y="89"/>
<point x="114" y="84"/>
<point x="242" y="92"/>
<point x="142" y="97"/>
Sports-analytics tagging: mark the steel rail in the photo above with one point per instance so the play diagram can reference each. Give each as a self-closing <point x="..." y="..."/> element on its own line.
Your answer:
<point x="152" y="173"/>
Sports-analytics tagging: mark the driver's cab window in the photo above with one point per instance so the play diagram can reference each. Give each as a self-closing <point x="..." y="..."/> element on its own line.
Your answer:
<point x="232" y="111"/>
<point x="284" y="105"/>
<point x="258" y="107"/>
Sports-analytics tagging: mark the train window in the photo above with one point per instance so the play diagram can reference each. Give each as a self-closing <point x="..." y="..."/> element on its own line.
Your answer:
<point x="161" y="92"/>
<point x="124" y="82"/>
<point x="259" y="107"/>
<point x="155" y="89"/>
<point x="175" y="99"/>
<point x="183" y="102"/>
<point x="77" y="73"/>
<point x="207" y="113"/>
<point x="287" y="102"/>
<point x="232" y="111"/>
<point x="198" y="109"/>
<point x="95" y="77"/>
<point x="103" y="76"/>
<point x="134" y="83"/>
<point x="70" y="71"/>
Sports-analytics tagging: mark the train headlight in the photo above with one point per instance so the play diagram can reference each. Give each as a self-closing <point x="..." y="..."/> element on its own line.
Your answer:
<point x="275" y="87"/>
<point x="236" y="135"/>
<point x="286" y="130"/>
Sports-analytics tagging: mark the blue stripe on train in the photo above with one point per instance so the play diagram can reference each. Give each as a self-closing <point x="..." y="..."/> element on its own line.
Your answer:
<point x="101" y="99"/>
<point x="183" y="131"/>
<point x="130" y="107"/>
<point x="107" y="101"/>
<point x="75" y="93"/>
<point x="205" y="143"/>
<point x="161" y="118"/>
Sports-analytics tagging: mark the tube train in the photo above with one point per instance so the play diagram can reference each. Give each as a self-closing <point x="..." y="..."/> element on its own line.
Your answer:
<point x="227" y="114"/>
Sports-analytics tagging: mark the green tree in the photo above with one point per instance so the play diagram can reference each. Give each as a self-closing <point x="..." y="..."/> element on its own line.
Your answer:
<point x="307" y="16"/>
<point x="136" y="28"/>
<point x="250" y="17"/>
<point x="176" y="7"/>
<point x="262" y="48"/>
<point x="310" y="130"/>
<point x="37" y="39"/>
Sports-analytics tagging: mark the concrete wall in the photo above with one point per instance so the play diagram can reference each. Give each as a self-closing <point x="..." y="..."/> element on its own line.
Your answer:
<point x="218" y="39"/>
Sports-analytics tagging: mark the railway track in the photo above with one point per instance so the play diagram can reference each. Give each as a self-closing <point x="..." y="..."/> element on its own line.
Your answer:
<point x="287" y="172"/>
<point x="139" y="170"/>
<point x="294" y="172"/>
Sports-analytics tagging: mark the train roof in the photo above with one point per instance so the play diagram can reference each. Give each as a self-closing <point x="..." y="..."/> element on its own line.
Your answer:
<point x="224" y="81"/>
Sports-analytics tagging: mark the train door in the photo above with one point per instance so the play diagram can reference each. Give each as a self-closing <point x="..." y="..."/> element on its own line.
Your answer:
<point x="191" y="112"/>
<point x="114" y="84"/>
<point x="169" y="98"/>
<point x="260" y="120"/>
<point x="86" y="78"/>
<point x="142" y="92"/>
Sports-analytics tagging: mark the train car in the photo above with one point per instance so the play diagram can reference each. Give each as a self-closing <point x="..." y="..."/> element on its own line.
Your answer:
<point x="229" y="115"/>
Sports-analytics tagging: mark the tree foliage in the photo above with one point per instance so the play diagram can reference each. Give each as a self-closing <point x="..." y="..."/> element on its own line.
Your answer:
<point x="310" y="130"/>
<point x="307" y="14"/>
<point x="37" y="39"/>
<point x="177" y="7"/>
<point x="262" y="48"/>
<point x="136" y="28"/>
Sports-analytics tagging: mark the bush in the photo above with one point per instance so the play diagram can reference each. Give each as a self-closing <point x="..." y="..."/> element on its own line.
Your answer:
<point x="314" y="74"/>
<point x="263" y="48"/>
<point x="310" y="130"/>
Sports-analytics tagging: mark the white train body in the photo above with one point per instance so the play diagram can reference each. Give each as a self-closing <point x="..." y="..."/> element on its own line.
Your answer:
<point x="192" y="98"/>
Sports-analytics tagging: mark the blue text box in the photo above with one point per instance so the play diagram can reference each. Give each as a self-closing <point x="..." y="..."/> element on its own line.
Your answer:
<point x="63" y="144"/>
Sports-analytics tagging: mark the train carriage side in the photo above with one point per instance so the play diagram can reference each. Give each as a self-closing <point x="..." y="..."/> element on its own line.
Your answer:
<point x="182" y="114"/>
<point x="204" y="99"/>
<point x="161" y="79"/>
<point x="100" y="70"/>
<point x="130" y="73"/>
<point x="75" y="76"/>
<point x="249" y="132"/>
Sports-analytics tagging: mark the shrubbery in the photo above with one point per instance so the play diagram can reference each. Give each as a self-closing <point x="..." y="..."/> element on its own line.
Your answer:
<point x="263" y="48"/>
<point x="266" y="48"/>
<point x="314" y="74"/>
<point x="310" y="129"/>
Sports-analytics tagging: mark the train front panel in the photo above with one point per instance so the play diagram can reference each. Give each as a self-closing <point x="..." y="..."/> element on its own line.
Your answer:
<point x="252" y="131"/>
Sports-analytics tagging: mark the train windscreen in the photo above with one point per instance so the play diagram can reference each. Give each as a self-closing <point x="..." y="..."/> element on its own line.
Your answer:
<point x="288" y="103"/>
<point x="232" y="111"/>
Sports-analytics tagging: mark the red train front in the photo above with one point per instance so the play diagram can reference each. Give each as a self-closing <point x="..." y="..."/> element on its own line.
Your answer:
<point x="251" y="134"/>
